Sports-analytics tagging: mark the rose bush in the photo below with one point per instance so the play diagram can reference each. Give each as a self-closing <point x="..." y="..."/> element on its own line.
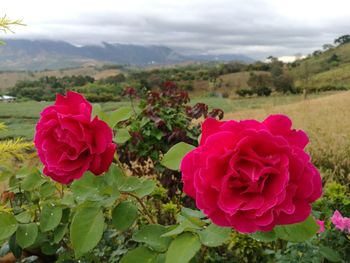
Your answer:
<point x="69" y="142"/>
<point x="252" y="175"/>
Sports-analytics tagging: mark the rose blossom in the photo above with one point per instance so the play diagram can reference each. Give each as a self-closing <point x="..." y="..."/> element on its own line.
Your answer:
<point x="69" y="142"/>
<point x="252" y="175"/>
<point x="340" y="222"/>
<point x="321" y="224"/>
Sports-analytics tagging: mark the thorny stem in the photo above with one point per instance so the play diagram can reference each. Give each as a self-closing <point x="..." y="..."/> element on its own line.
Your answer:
<point x="148" y="215"/>
<point x="150" y="218"/>
<point x="132" y="105"/>
<point x="202" y="254"/>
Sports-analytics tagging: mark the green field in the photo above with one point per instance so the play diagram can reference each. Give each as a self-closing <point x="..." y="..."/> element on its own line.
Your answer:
<point x="21" y="117"/>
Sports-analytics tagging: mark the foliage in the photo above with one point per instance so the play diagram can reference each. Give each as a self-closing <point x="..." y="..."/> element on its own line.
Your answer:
<point x="260" y="84"/>
<point x="342" y="40"/>
<point x="162" y="119"/>
<point x="6" y="24"/>
<point x="46" y="88"/>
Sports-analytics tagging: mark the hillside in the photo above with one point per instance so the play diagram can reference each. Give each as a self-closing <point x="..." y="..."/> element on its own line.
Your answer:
<point x="327" y="68"/>
<point x="9" y="79"/>
<point x="22" y="54"/>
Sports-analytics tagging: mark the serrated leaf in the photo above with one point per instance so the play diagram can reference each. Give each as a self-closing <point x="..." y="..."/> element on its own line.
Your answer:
<point x="172" y="159"/>
<point x="47" y="190"/>
<point x="214" y="236"/>
<point x="183" y="248"/>
<point x="86" y="188"/>
<point x="86" y="229"/>
<point x="121" y="114"/>
<point x="299" y="232"/>
<point x="174" y="232"/>
<point x="114" y="176"/>
<point x="32" y="181"/>
<point x="147" y="187"/>
<point x="122" y="136"/>
<point x="139" y="255"/>
<point x="8" y="225"/>
<point x="50" y="217"/>
<point x="187" y="212"/>
<point x="130" y="184"/>
<point x="124" y="215"/>
<point x="26" y="234"/>
<point x="151" y="235"/>
<point x="96" y="110"/>
<point x="24" y="217"/>
<point x="264" y="236"/>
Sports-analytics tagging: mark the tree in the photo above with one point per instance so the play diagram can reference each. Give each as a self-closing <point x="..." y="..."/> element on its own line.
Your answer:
<point x="284" y="83"/>
<point x="327" y="46"/>
<point x="342" y="40"/>
<point x="260" y="84"/>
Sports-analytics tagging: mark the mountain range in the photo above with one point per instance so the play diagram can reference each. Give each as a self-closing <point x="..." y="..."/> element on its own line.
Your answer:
<point x="23" y="54"/>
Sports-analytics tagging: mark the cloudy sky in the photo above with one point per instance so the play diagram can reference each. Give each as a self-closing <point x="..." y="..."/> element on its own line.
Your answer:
<point x="256" y="28"/>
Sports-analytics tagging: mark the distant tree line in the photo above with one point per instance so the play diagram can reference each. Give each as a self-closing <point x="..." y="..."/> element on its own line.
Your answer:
<point x="45" y="88"/>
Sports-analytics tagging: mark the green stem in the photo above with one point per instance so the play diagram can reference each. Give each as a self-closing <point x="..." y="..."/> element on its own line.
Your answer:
<point x="150" y="218"/>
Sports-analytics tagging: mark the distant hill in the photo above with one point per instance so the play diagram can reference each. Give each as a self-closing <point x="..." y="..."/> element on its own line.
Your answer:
<point x="24" y="54"/>
<point x="324" y="68"/>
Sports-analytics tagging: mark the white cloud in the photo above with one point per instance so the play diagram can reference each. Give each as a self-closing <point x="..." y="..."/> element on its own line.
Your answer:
<point x="253" y="27"/>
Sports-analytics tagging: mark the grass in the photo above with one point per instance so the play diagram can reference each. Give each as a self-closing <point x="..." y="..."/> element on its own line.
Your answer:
<point x="237" y="104"/>
<point x="21" y="117"/>
<point x="9" y="79"/>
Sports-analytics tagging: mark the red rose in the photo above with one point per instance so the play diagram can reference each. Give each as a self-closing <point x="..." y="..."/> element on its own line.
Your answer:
<point x="252" y="175"/>
<point x="69" y="142"/>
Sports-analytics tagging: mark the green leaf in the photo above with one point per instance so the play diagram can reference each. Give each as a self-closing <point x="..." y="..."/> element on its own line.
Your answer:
<point x="330" y="254"/>
<point x="86" y="188"/>
<point x="59" y="233"/>
<point x="86" y="229"/>
<point x="122" y="136"/>
<point x="8" y="225"/>
<point x="151" y="235"/>
<point x="96" y="110"/>
<point x="214" y="236"/>
<point x="172" y="159"/>
<point x="147" y="187"/>
<point x="130" y="184"/>
<point x="183" y="248"/>
<point x="14" y="247"/>
<point x="299" y="232"/>
<point x="32" y="181"/>
<point x="174" y="232"/>
<point x="47" y="190"/>
<point x="264" y="236"/>
<point x="49" y="249"/>
<point x="121" y="114"/>
<point x="139" y="255"/>
<point x="187" y="212"/>
<point x="24" y="217"/>
<point x="124" y="215"/>
<point x="50" y="217"/>
<point x="68" y="199"/>
<point x="114" y="176"/>
<point x="26" y="234"/>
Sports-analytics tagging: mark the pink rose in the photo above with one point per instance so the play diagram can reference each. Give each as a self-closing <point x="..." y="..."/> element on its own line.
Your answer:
<point x="321" y="224"/>
<point x="69" y="142"/>
<point x="340" y="222"/>
<point x="252" y="175"/>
